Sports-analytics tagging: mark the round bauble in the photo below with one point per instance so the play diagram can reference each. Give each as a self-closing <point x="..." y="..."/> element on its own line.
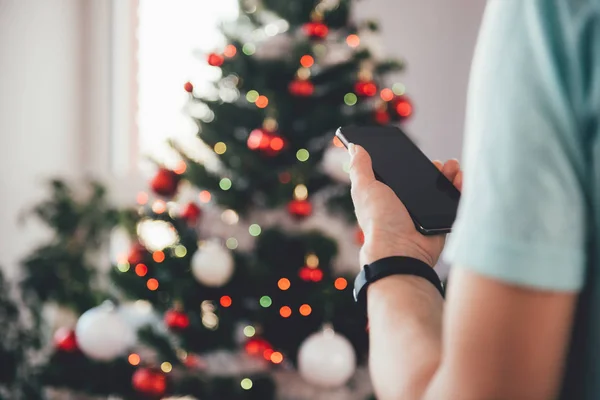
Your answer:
<point x="165" y="182"/>
<point x="326" y="359"/>
<point x="335" y="163"/>
<point x="300" y="208"/>
<point x="65" y="340"/>
<point x="176" y="319"/>
<point x="212" y="264"/>
<point x="103" y="334"/>
<point x="149" y="382"/>
<point x="191" y="213"/>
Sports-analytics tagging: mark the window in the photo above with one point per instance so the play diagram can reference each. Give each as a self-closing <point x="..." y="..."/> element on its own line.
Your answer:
<point x="173" y="38"/>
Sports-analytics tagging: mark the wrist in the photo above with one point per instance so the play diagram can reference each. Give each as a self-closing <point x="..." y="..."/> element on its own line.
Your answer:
<point x="377" y="248"/>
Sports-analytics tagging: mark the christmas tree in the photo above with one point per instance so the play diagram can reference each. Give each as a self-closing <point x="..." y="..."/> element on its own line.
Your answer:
<point x="233" y="285"/>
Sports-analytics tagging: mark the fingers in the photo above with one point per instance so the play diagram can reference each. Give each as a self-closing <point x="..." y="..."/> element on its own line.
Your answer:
<point x="361" y="168"/>
<point x="438" y="164"/>
<point x="458" y="180"/>
<point x="450" y="169"/>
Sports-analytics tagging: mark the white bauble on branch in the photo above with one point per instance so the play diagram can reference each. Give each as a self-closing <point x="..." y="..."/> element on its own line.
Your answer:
<point x="212" y="264"/>
<point x="326" y="359"/>
<point x="336" y="161"/>
<point x="102" y="333"/>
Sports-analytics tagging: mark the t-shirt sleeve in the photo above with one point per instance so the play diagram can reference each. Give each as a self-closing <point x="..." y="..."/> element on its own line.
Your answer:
<point x="522" y="217"/>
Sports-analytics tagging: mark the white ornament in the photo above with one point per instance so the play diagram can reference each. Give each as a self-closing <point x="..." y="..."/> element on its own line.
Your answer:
<point x="139" y="314"/>
<point x="212" y="264"/>
<point x="326" y="359"/>
<point x="336" y="162"/>
<point x="156" y="235"/>
<point x="102" y="334"/>
<point x="273" y="47"/>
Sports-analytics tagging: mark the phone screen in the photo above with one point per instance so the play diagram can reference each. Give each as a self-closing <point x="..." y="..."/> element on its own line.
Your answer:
<point x="430" y="198"/>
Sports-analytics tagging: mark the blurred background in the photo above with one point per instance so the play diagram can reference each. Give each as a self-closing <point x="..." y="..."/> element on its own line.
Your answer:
<point x="176" y="219"/>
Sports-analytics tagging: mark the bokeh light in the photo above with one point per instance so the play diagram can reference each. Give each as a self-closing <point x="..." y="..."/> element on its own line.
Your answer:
<point x="180" y="167"/>
<point x="312" y="260"/>
<point x="302" y="155"/>
<point x="284" y="284"/>
<point x="225" y="184"/>
<point x="220" y="148"/>
<point x="225" y="301"/>
<point x="134" y="359"/>
<point x="386" y="94"/>
<point x="159" y="206"/>
<point x="265" y="302"/>
<point x="249" y="331"/>
<point x="301" y="192"/>
<point x="246" y="383"/>
<point x="252" y="95"/>
<point x="180" y="251"/>
<point x="231" y="243"/>
<point x="276" y="357"/>
<point x="305" y="310"/>
<point x="399" y="89"/>
<point x="262" y="101"/>
<point x="142" y="198"/>
<point x="340" y="283"/>
<point x="285" y="312"/>
<point x="307" y="61"/>
<point x="254" y="230"/>
<point x="249" y="49"/>
<point x="204" y="196"/>
<point x="166" y="367"/>
<point x="230" y="50"/>
<point x="152" y="284"/>
<point x="158" y="256"/>
<point x="353" y="40"/>
<point x="350" y="99"/>
<point x="141" y="270"/>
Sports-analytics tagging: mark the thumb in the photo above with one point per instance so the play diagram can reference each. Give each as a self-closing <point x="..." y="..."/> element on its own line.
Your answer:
<point x="361" y="167"/>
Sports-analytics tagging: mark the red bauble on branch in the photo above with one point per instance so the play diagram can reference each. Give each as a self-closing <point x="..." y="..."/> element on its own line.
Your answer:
<point x="65" y="340"/>
<point x="165" y="182"/>
<point x="149" y="382"/>
<point x="300" y="208"/>
<point x="191" y="213"/>
<point x="365" y="88"/>
<point x="136" y="254"/>
<point x="301" y="88"/>
<point x="257" y="346"/>
<point x="382" y="117"/>
<point x="265" y="141"/>
<point x="403" y="107"/>
<point x="315" y="30"/>
<point x="216" y="60"/>
<point x="177" y="319"/>
<point x="188" y="87"/>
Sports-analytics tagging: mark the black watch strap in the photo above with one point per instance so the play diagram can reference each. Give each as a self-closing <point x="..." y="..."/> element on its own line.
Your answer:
<point x="392" y="266"/>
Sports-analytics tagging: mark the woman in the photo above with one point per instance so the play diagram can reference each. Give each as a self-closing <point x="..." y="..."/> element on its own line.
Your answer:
<point x="521" y="319"/>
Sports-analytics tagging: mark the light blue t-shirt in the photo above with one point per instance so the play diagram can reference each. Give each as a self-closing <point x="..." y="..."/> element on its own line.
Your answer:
<point x="530" y="209"/>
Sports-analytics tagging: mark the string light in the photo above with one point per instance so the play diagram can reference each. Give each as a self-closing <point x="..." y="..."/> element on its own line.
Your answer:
<point x="312" y="260"/>
<point x="350" y="99"/>
<point x="276" y="144"/>
<point x="220" y="148"/>
<point x="276" y="357"/>
<point x="300" y="192"/>
<point x="225" y="301"/>
<point x="180" y="251"/>
<point x="134" y="359"/>
<point x="249" y="49"/>
<point x="158" y="256"/>
<point x="404" y="109"/>
<point x="307" y="61"/>
<point x="305" y="310"/>
<point x="249" y="331"/>
<point x="398" y="89"/>
<point x="265" y="302"/>
<point x="302" y="155"/>
<point x="252" y="95"/>
<point x="180" y="167"/>
<point x="254" y="230"/>
<point x="204" y="196"/>
<point x="166" y="367"/>
<point x="270" y="124"/>
<point x="225" y="184"/>
<point x="284" y="284"/>
<point x="340" y="283"/>
<point x="231" y="243"/>
<point x="123" y="266"/>
<point x="230" y="50"/>
<point x="159" y="206"/>
<point x="303" y="73"/>
<point x="141" y="270"/>
<point x="142" y="198"/>
<point x="246" y="383"/>
<point x="285" y="311"/>
<point x="262" y="101"/>
<point x="386" y="94"/>
<point x="152" y="284"/>
<point x="353" y="40"/>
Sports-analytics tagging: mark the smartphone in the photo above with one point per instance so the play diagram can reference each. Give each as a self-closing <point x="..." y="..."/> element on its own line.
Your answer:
<point x="430" y="198"/>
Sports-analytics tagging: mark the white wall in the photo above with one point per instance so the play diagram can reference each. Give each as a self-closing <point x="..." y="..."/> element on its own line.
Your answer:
<point x="437" y="39"/>
<point x="40" y="109"/>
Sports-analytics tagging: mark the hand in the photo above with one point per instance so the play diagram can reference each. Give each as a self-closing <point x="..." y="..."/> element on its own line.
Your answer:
<point x="387" y="225"/>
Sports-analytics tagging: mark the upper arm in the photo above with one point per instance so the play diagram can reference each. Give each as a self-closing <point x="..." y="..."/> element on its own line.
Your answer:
<point x="501" y="341"/>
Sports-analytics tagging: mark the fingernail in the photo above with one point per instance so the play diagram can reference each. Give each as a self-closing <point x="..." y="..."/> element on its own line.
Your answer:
<point x="352" y="149"/>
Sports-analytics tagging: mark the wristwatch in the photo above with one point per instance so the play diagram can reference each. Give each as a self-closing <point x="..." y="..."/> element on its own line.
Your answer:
<point x="396" y="265"/>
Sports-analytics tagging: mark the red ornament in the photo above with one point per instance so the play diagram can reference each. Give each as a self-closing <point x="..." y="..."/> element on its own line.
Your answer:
<point x="315" y="30"/>
<point x="359" y="236"/>
<point x="265" y="141"/>
<point x="304" y="273"/>
<point x="382" y="117"/>
<point x="177" y="320"/>
<point x="301" y="88"/>
<point x="149" y="382"/>
<point x="191" y="213"/>
<point x="136" y="254"/>
<point x="257" y="346"/>
<point x="300" y="208"/>
<point x="216" y="60"/>
<point x="365" y="88"/>
<point x="65" y="340"/>
<point x="188" y="87"/>
<point x="316" y="275"/>
<point x="165" y="182"/>
<point x="403" y="107"/>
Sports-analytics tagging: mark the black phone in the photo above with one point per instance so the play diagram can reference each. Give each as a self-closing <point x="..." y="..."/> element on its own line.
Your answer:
<point x="430" y="198"/>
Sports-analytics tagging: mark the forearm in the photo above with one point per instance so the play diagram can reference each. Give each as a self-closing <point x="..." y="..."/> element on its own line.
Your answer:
<point x="405" y="327"/>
